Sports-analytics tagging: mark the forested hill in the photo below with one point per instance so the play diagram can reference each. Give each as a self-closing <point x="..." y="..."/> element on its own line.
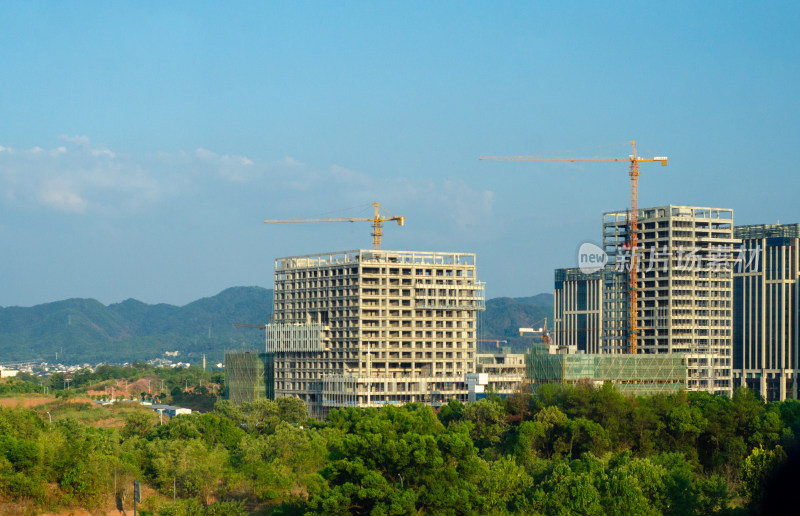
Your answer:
<point x="504" y="316"/>
<point x="85" y="330"/>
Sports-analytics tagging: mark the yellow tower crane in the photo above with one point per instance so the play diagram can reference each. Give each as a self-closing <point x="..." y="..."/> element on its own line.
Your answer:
<point x="377" y="222"/>
<point x="633" y="224"/>
<point x="542" y="330"/>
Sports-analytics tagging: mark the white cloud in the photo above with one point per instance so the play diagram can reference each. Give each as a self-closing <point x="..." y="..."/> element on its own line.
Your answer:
<point x="289" y="161"/>
<point x="453" y="204"/>
<point x="467" y="206"/>
<point x="77" y="177"/>
<point x="61" y="198"/>
<point x="103" y="152"/>
<point x="233" y="168"/>
<point x="350" y="178"/>
<point x="83" y="178"/>
<point x="78" y="140"/>
<point x="204" y="154"/>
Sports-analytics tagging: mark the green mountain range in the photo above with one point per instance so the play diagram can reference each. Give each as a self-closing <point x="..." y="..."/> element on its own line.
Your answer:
<point x="77" y="331"/>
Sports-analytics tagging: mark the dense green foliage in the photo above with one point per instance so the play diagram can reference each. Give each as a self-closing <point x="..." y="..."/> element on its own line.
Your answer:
<point x="563" y="451"/>
<point x="84" y="330"/>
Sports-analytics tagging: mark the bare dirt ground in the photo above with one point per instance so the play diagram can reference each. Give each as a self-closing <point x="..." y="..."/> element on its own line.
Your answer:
<point x="122" y="387"/>
<point x="25" y="401"/>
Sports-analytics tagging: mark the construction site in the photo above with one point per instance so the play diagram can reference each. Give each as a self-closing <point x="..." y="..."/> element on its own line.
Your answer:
<point x="366" y="328"/>
<point x="599" y="315"/>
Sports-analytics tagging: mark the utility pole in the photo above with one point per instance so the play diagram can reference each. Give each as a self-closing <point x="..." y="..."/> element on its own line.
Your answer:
<point x="137" y="496"/>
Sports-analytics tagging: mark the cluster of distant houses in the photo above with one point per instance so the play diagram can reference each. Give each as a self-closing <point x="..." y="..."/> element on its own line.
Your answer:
<point x="9" y="371"/>
<point x="169" y="410"/>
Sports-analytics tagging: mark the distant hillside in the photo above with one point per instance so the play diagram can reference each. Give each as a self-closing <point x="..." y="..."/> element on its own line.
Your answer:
<point x="504" y="316"/>
<point x="85" y="330"/>
<point x="539" y="300"/>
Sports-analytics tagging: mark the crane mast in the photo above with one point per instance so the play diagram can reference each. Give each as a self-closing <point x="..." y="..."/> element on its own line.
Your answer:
<point x="633" y="238"/>
<point x="633" y="223"/>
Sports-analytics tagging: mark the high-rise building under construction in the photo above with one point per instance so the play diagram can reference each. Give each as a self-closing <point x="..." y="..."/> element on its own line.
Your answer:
<point x="374" y="327"/>
<point x="684" y="299"/>
<point x="685" y="288"/>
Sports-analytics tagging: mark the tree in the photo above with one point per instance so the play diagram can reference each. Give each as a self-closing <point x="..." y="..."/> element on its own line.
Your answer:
<point x="398" y="460"/>
<point x="291" y="409"/>
<point x="504" y="487"/>
<point x="281" y="462"/>
<point x="565" y="492"/>
<point x="56" y="381"/>
<point x="452" y="412"/>
<point x="195" y="467"/>
<point x="489" y="422"/>
<point x="632" y="486"/>
<point x="549" y="434"/>
<point x="646" y="427"/>
<point x="758" y="472"/>
<point x="137" y="424"/>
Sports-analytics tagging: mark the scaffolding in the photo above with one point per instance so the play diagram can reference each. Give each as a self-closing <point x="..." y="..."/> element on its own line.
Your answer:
<point x="295" y="337"/>
<point x="249" y="376"/>
<point x="633" y="375"/>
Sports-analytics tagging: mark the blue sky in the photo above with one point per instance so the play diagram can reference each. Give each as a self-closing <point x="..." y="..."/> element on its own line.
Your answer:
<point x="142" y="144"/>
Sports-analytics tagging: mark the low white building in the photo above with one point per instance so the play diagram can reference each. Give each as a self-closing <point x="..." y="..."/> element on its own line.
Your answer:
<point x="8" y="373"/>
